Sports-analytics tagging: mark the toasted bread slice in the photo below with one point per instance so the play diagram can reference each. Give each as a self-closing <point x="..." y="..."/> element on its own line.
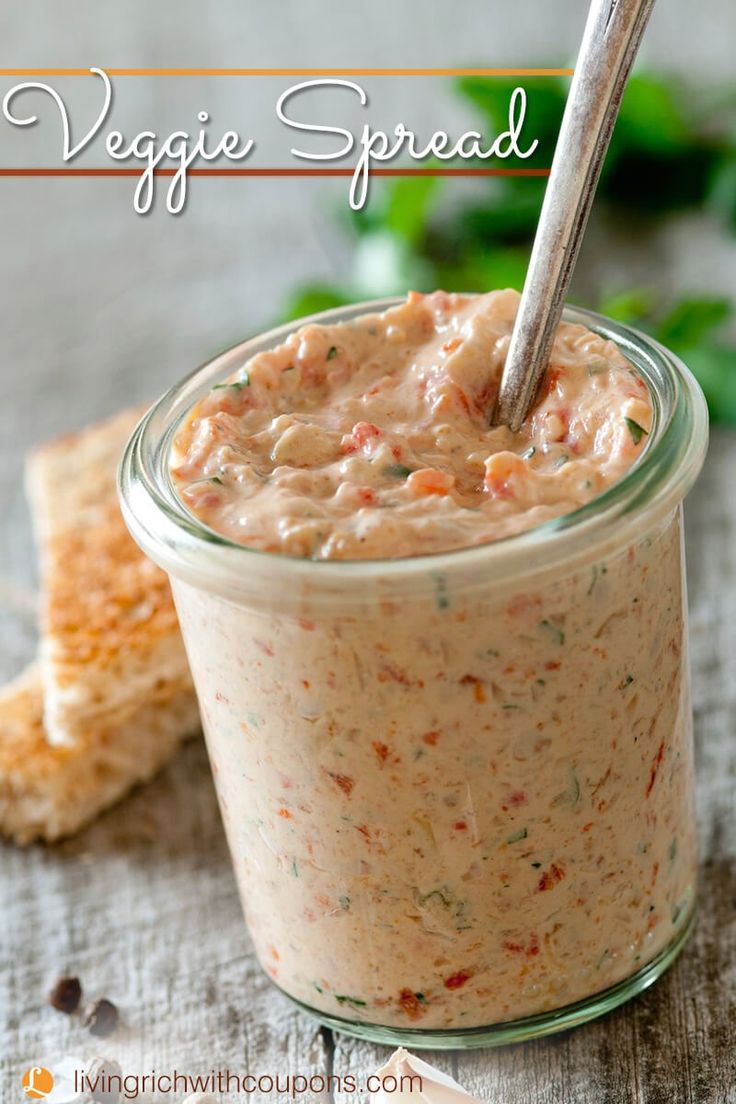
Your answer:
<point x="48" y="792"/>
<point x="109" y="634"/>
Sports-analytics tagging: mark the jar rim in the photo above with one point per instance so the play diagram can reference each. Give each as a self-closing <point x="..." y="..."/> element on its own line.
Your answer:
<point x="181" y="544"/>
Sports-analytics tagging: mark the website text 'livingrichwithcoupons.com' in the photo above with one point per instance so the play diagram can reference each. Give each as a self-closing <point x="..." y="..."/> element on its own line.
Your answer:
<point x="112" y="1083"/>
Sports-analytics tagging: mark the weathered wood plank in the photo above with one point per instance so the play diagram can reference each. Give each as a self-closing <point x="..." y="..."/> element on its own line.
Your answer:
<point x="143" y="907"/>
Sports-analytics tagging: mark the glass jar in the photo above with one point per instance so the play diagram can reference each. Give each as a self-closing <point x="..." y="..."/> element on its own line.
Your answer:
<point x="457" y="788"/>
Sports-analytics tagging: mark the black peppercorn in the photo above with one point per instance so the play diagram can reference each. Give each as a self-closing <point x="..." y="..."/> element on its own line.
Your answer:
<point x="101" y="1018"/>
<point x="66" y="995"/>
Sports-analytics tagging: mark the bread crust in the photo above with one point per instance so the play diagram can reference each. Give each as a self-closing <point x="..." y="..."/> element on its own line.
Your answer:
<point x="109" y="633"/>
<point x="47" y="791"/>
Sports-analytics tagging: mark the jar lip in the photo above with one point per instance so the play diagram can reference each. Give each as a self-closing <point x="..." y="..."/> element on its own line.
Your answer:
<point x="173" y="537"/>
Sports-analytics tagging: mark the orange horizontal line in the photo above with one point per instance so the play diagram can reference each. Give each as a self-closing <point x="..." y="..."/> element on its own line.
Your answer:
<point x="153" y="72"/>
<point x="274" y="172"/>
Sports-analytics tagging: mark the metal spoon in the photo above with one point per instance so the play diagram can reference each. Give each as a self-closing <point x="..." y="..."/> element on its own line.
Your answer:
<point x="611" y="39"/>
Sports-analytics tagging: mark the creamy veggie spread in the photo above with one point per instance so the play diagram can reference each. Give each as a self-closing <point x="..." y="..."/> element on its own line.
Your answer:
<point x="371" y="438"/>
<point x="473" y="804"/>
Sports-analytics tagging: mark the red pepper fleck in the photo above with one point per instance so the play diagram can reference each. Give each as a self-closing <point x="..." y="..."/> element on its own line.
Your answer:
<point x="431" y="738"/>
<point x="363" y="433"/>
<point x="552" y="665"/>
<point x="550" y="877"/>
<point x="381" y="750"/>
<point x="554" y="375"/>
<point x="265" y="647"/>
<point x="285" y="814"/>
<point x="365" y="832"/>
<point x="456" y="981"/>
<point x="343" y="781"/>
<point x="530" y="949"/>
<point x="477" y="684"/>
<point x="460" y="826"/>
<point x="655" y="767"/>
<point x="391" y="673"/>
<point x="518" y="798"/>
<point x="410" y="1004"/>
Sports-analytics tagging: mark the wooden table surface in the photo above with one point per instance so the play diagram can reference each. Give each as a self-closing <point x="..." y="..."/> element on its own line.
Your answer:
<point x="143" y="907"/>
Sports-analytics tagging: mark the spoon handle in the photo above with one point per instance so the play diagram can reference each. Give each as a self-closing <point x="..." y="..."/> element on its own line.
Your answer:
<point x="612" y="35"/>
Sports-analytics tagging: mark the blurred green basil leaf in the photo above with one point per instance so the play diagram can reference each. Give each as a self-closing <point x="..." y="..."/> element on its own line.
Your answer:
<point x="690" y="320"/>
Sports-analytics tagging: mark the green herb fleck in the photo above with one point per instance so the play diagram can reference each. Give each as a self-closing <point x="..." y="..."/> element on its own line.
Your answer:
<point x="215" y="479"/>
<point x="536" y="865"/>
<point x="421" y="998"/>
<point x="237" y="385"/>
<point x="318" y="988"/>
<point x="555" y="630"/>
<point x="442" y="895"/>
<point x="342" y="999"/>
<point x="593" y="580"/>
<point x="515" y="837"/>
<point x="541" y="682"/>
<point x="636" y="431"/>
<point x="625" y="682"/>
<point x="400" y="471"/>
<point x="294" y="868"/>
<point x="441" y="597"/>
<point x="673" y="850"/>
<point x="345" y="903"/>
<point x="331" y="352"/>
